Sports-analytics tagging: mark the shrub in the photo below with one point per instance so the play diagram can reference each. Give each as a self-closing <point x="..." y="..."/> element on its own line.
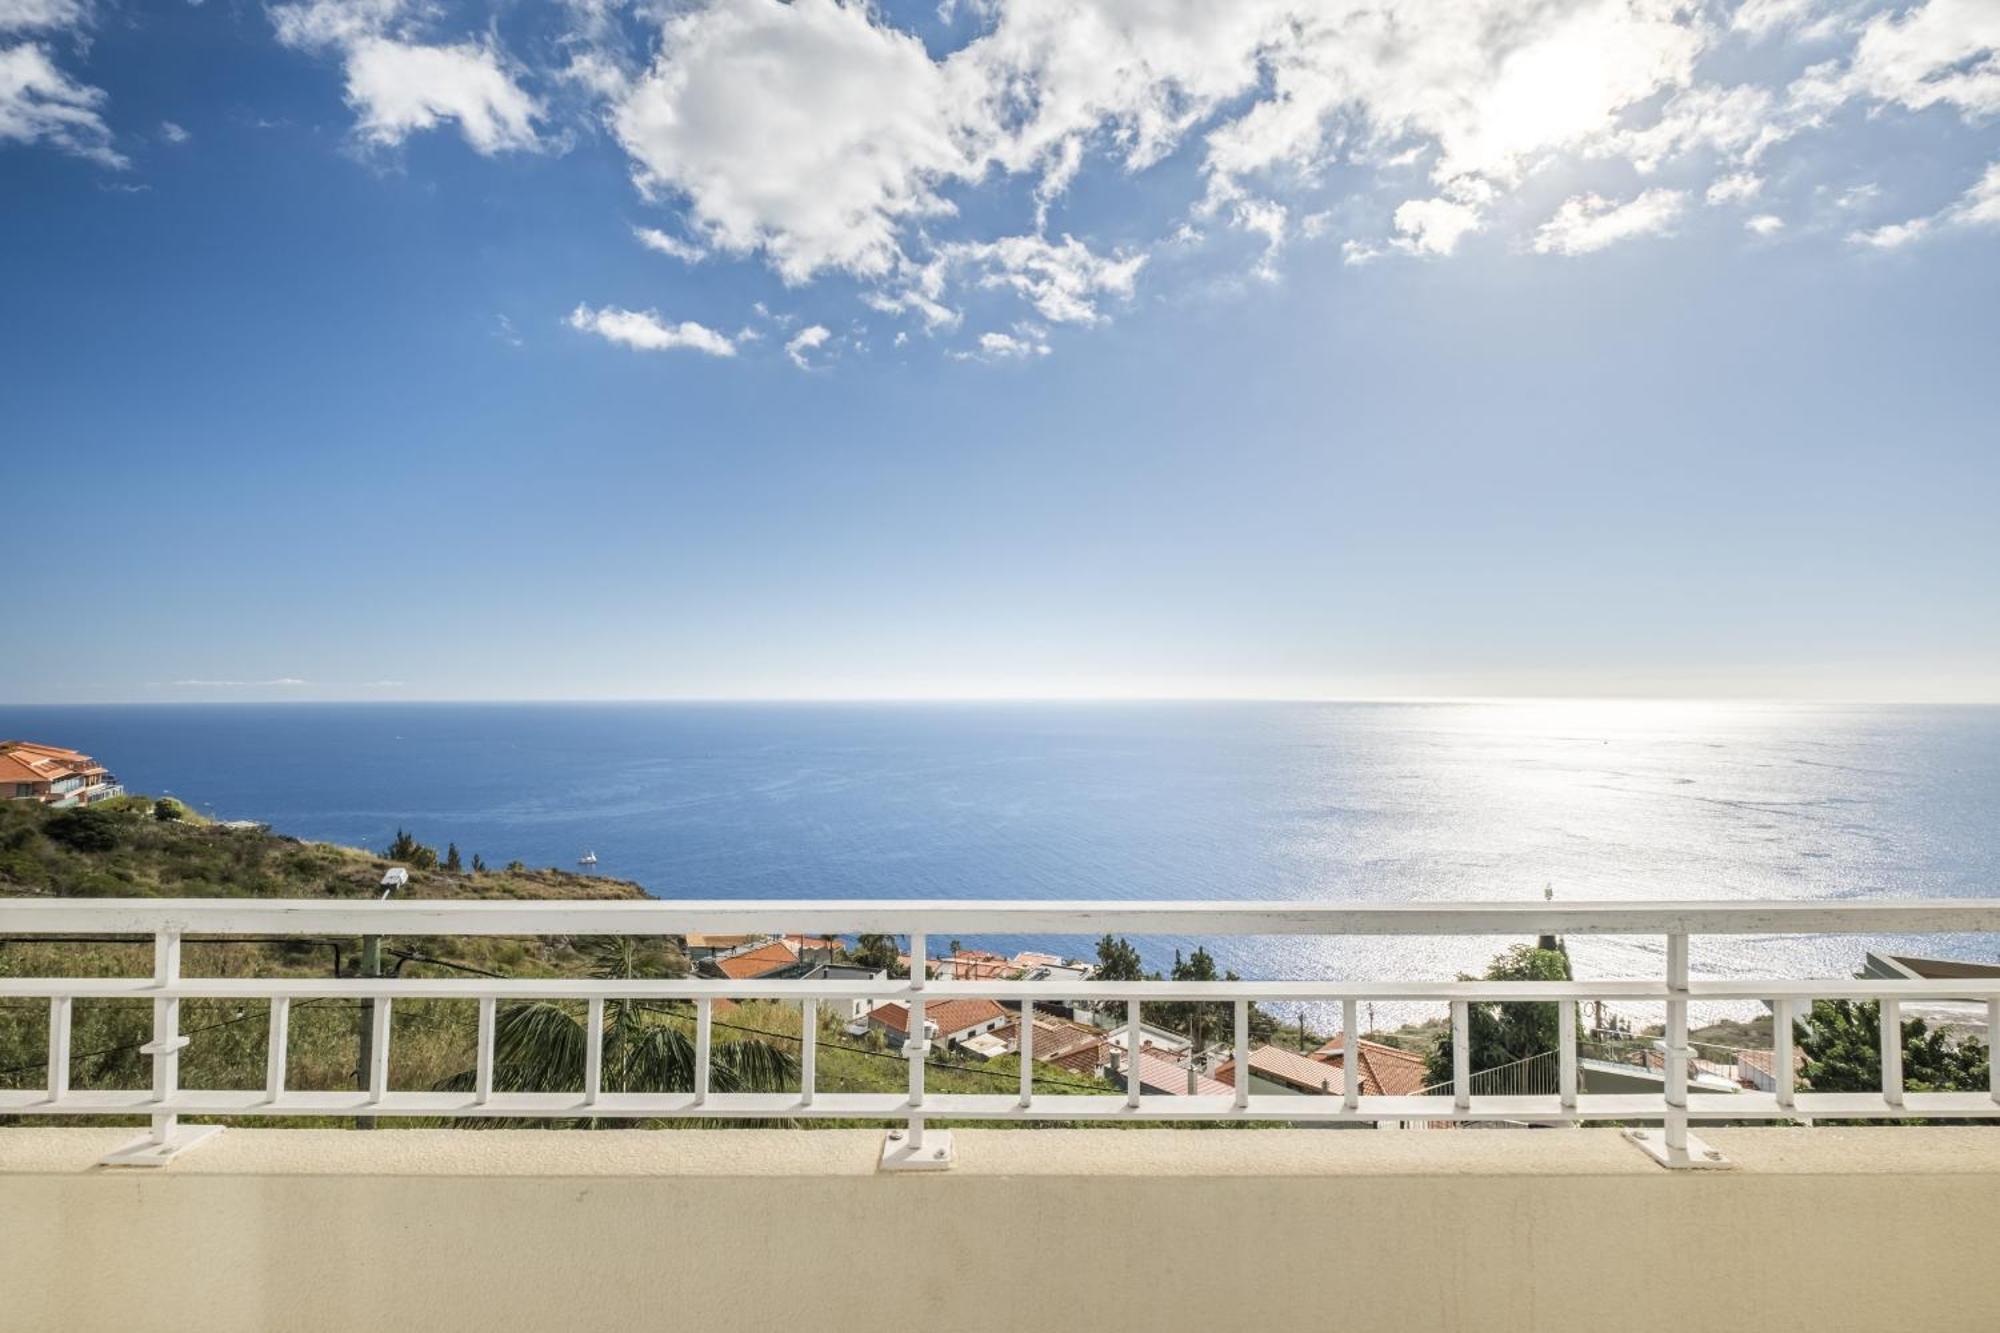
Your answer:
<point x="168" y="811"/>
<point x="83" y="830"/>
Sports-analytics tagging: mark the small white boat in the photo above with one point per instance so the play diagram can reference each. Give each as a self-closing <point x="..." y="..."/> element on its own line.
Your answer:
<point x="587" y="859"/>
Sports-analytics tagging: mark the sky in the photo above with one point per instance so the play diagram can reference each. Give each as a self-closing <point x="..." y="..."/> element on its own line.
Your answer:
<point x="999" y="348"/>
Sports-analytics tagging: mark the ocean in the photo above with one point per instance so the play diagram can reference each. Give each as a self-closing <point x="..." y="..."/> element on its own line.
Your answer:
<point x="1421" y="802"/>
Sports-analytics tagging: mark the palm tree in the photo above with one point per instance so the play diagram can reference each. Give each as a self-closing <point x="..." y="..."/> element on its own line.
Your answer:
<point x="649" y="1046"/>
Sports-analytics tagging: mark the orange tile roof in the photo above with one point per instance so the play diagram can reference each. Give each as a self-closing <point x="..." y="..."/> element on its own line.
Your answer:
<point x="49" y="761"/>
<point x="977" y="967"/>
<point x="697" y="940"/>
<point x="757" y="962"/>
<point x="1085" y="1059"/>
<point x="1158" y="1075"/>
<point x="13" y="769"/>
<point x="1386" y="1071"/>
<point x="1288" y="1067"/>
<point x="1053" y="1036"/>
<point x="951" y="1016"/>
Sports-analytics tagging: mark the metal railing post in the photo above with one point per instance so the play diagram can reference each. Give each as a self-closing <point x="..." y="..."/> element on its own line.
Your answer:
<point x="1677" y="1044"/>
<point x="61" y="1010"/>
<point x="167" y="1137"/>
<point x="1783" y="1074"/>
<point x="1242" y="1055"/>
<point x="1674" y="1147"/>
<point x="808" y="1050"/>
<point x="276" y="1040"/>
<point x="1461" y="1056"/>
<point x="1350" y="1058"/>
<point x="704" y="1025"/>
<point x="482" y="1078"/>
<point x="1566" y="1054"/>
<point x="1026" y="1049"/>
<point x="1134" y="1037"/>
<point x="1892" y="1052"/>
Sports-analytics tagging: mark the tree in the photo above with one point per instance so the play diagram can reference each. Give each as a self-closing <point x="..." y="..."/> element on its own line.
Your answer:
<point x="478" y="866"/>
<point x="1204" y="1022"/>
<point x="168" y="811"/>
<point x="451" y="861"/>
<point x="1117" y="960"/>
<point x="956" y="948"/>
<point x="83" y="830"/>
<point x="1842" y="1046"/>
<point x="877" y="953"/>
<point x="648" y="1045"/>
<point x="1503" y="1033"/>
<point x="411" y="852"/>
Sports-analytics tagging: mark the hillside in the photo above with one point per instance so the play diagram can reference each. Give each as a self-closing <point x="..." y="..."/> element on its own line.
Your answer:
<point x="120" y="850"/>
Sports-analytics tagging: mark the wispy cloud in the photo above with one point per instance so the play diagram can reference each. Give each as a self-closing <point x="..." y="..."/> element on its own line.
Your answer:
<point x="647" y="332"/>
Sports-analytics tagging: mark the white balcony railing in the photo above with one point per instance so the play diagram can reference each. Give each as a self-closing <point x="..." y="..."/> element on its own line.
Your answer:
<point x="169" y="921"/>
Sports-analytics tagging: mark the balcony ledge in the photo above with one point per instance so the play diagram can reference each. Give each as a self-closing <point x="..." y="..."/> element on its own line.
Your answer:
<point x="1272" y="1229"/>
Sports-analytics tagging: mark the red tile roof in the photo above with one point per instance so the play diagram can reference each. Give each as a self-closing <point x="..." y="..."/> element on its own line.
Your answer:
<point x="757" y="962"/>
<point x="951" y="1016"/>
<point x="1386" y="1071"/>
<point x="1158" y="1075"/>
<point x="1053" y="1037"/>
<point x="1279" y="1065"/>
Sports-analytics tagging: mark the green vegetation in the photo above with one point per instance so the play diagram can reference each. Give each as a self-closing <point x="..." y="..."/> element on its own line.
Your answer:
<point x="1500" y="1034"/>
<point x="1842" y="1046"/>
<point x="125" y="849"/>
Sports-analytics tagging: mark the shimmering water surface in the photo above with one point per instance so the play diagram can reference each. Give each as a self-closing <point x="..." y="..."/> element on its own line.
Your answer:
<point x="1406" y="802"/>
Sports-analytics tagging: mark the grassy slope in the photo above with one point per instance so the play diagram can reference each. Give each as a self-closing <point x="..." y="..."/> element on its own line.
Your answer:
<point x="431" y="1041"/>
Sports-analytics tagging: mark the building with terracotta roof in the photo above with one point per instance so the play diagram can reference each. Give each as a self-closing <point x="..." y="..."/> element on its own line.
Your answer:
<point x="1172" y="1078"/>
<point x="1054" y="1037"/>
<point x="1273" y="1069"/>
<point x="1386" y="1071"/>
<point x="771" y="958"/>
<point x="948" y="1020"/>
<point x="971" y="965"/>
<point x="53" y="775"/>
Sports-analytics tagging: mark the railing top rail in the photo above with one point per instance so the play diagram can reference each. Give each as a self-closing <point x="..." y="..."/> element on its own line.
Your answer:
<point x="943" y="918"/>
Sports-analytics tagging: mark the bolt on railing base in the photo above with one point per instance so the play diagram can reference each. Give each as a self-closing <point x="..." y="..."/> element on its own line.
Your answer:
<point x="146" y="1150"/>
<point x="1697" y="1156"/>
<point x="936" y="1154"/>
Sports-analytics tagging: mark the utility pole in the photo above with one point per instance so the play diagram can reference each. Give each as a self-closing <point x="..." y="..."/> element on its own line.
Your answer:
<point x="371" y="966"/>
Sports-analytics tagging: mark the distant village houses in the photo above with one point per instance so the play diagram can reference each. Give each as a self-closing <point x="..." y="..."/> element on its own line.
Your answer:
<point x="52" y="775"/>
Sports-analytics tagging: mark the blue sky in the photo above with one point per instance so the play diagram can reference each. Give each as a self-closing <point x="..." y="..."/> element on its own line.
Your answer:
<point x="363" y="349"/>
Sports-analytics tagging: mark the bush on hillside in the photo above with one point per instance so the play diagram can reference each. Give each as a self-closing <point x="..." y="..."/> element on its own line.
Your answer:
<point x="83" y="830"/>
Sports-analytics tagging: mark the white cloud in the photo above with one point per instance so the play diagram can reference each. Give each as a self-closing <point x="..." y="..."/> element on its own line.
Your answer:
<point x="1765" y="224"/>
<point x="1979" y="206"/>
<point x="1590" y="222"/>
<point x="173" y="133"/>
<point x="1061" y="280"/>
<point x="1735" y="189"/>
<point x="806" y="132"/>
<point x="42" y="15"/>
<point x="1941" y="51"/>
<point x="655" y="239"/>
<point x="1894" y="235"/>
<point x="41" y="104"/>
<point x="1007" y="346"/>
<point x="1432" y="226"/>
<point x="645" y="331"/>
<point x="399" y="85"/>
<point x="809" y="339"/>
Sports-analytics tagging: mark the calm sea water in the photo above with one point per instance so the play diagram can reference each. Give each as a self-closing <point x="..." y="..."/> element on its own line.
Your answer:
<point x="1427" y="802"/>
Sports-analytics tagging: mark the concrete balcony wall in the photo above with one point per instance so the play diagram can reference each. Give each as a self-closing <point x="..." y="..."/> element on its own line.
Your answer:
<point x="1548" y="1231"/>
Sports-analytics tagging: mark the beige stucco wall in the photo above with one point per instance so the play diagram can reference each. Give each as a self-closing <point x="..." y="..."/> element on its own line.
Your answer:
<point x="1826" y="1229"/>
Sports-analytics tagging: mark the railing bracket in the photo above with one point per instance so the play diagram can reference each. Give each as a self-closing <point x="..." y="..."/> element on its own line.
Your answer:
<point x="1697" y="1156"/>
<point x="933" y="1153"/>
<point x="149" y="1151"/>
